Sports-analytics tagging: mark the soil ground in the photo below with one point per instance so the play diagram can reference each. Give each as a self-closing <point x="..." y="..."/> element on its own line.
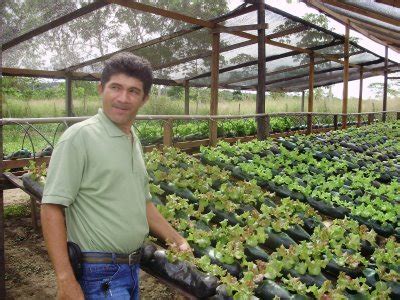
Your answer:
<point x="29" y="273"/>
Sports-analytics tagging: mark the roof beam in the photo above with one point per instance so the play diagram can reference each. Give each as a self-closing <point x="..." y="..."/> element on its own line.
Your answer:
<point x="305" y="75"/>
<point x="300" y="86"/>
<point x="275" y="72"/>
<point x="286" y="32"/>
<point x="384" y="39"/>
<point x="175" y="15"/>
<point x="202" y="55"/>
<point x="60" y="21"/>
<point x="133" y="48"/>
<point x="345" y="20"/>
<point x="184" y="18"/>
<point x="162" y="12"/>
<point x="240" y="28"/>
<point x="271" y="58"/>
<point x="165" y="38"/>
<point x="395" y="3"/>
<point x="72" y="75"/>
<point x="48" y="74"/>
<point x="374" y="27"/>
<point x="362" y="11"/>
<point x="301" y="21"/>
<point x="229" y="48"/>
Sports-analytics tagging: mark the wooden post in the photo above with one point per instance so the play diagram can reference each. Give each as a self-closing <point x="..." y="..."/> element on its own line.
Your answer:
<point x="168" y="134"/>
<point x="370" y="118"/>
<point x="68" y="99"/>
<point x="335" y="122"/>
<point x="214" y="88"/>
<point x="260" y="104"/>
<point x="267" y="125"/>
<point x="303" y="94"/>
<point x="345" y="77"/>
<point x="385" y="84"/>
<point x="34" y="214"/>
<point x="309" y="123"/>
<point x="360" y="98"/>
<point x="398" y="116"/>
<point x="187" y="97"/>
<point x="2" y="256"/>
<point x="310" y="94"/>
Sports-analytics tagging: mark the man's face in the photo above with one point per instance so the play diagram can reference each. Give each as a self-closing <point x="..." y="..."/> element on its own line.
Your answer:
<point x="122" y="97"/>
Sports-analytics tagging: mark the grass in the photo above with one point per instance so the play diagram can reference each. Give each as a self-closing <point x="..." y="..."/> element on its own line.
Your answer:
<point x="292" y="105"/>
<point x="163" y="105"/>
<point x="17" y="108"/>
<point x="16" y="211"/>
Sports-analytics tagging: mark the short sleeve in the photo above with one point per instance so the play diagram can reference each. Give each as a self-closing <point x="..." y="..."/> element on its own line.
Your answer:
<point x="64" y="174"/>
<point x="146" y="186"/>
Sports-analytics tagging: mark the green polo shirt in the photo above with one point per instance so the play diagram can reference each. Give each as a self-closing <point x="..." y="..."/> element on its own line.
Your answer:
<point x="100" y="176"/>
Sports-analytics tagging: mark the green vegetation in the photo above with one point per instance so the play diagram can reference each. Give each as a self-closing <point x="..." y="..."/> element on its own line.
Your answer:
<point x="16" y="211"/>
<point x="31" y="97"/>
<point x="250" y="211"/>
<point x="218" y="216"/>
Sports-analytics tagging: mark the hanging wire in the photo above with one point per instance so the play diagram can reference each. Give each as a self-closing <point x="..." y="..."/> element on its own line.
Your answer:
<point x="34" y="128"/>
<point x="29" y="137"/>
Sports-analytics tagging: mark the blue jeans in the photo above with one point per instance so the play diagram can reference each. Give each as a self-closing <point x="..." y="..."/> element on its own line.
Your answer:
<point x="110" y="281"/>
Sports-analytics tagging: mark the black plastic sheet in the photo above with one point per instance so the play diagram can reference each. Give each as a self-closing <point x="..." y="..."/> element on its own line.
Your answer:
<point x="234" y="269"/>
<point x="277" y="239"/>
<point x="32" y="186"/>
<point x="183" y="274"/>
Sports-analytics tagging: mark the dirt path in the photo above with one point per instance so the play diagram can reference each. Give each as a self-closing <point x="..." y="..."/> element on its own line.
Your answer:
<point x="29" y="274"/>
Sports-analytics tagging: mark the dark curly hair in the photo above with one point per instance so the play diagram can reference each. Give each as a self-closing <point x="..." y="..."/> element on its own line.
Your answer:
<point x="130" y="65"/>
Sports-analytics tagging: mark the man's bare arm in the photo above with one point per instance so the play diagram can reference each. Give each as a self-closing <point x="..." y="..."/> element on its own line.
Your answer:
<point x="55" y="236"/>
<point x="160" y="227"/>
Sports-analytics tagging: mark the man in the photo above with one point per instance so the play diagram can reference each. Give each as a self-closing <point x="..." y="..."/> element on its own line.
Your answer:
<point x="98" y="175"/>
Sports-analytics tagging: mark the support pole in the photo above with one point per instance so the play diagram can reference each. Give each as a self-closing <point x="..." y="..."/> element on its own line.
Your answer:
<point x="360" y="95"/>
<point x="214" y="88"/>
<point x="335" y="122"/>
<point x="2" y="256"/>
<point x="34" y="214"/>
<point x="310" y="94"/>
<point x="371" y="118"/>
<point x="267" y="125"/>
<point x="385" y="84"/>
<point x="168" y="133"/>
<point x="260" y="104"/>
<point x="187" y="97"/>
<point x="303" y="94"/>
<point x="345" y="77"/>
<point x="68" y="99"/>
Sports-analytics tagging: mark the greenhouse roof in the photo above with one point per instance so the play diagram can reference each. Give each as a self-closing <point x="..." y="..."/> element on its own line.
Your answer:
<point x="64" y="38"/>
<point x="379" y="20"/>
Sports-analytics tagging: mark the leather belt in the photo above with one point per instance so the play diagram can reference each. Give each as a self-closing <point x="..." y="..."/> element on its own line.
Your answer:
<point x="112" y="258"/>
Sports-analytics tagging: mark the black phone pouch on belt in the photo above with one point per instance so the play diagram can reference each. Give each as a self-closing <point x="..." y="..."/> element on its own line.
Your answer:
<point x="75" y="258"/>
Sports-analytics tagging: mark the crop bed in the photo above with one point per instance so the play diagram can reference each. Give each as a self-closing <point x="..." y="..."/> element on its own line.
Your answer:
<point x="297" y="218"/>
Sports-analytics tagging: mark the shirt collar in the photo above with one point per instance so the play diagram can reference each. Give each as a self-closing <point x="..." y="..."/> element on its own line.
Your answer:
<point x="111" y="128"/>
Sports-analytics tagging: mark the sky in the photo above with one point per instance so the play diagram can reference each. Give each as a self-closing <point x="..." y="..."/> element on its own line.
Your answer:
<point x="299" y="9"/>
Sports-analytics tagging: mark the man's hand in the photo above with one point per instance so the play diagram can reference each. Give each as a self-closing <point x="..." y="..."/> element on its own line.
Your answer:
<point x="69" y="290"/>
<point x="160" y="227"/>
<point x="184" y="246"/>
<point x="55" y="236"/>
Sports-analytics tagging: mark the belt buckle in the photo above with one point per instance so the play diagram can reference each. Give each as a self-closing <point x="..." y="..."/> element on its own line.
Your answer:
<point x="131" y="257"/>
